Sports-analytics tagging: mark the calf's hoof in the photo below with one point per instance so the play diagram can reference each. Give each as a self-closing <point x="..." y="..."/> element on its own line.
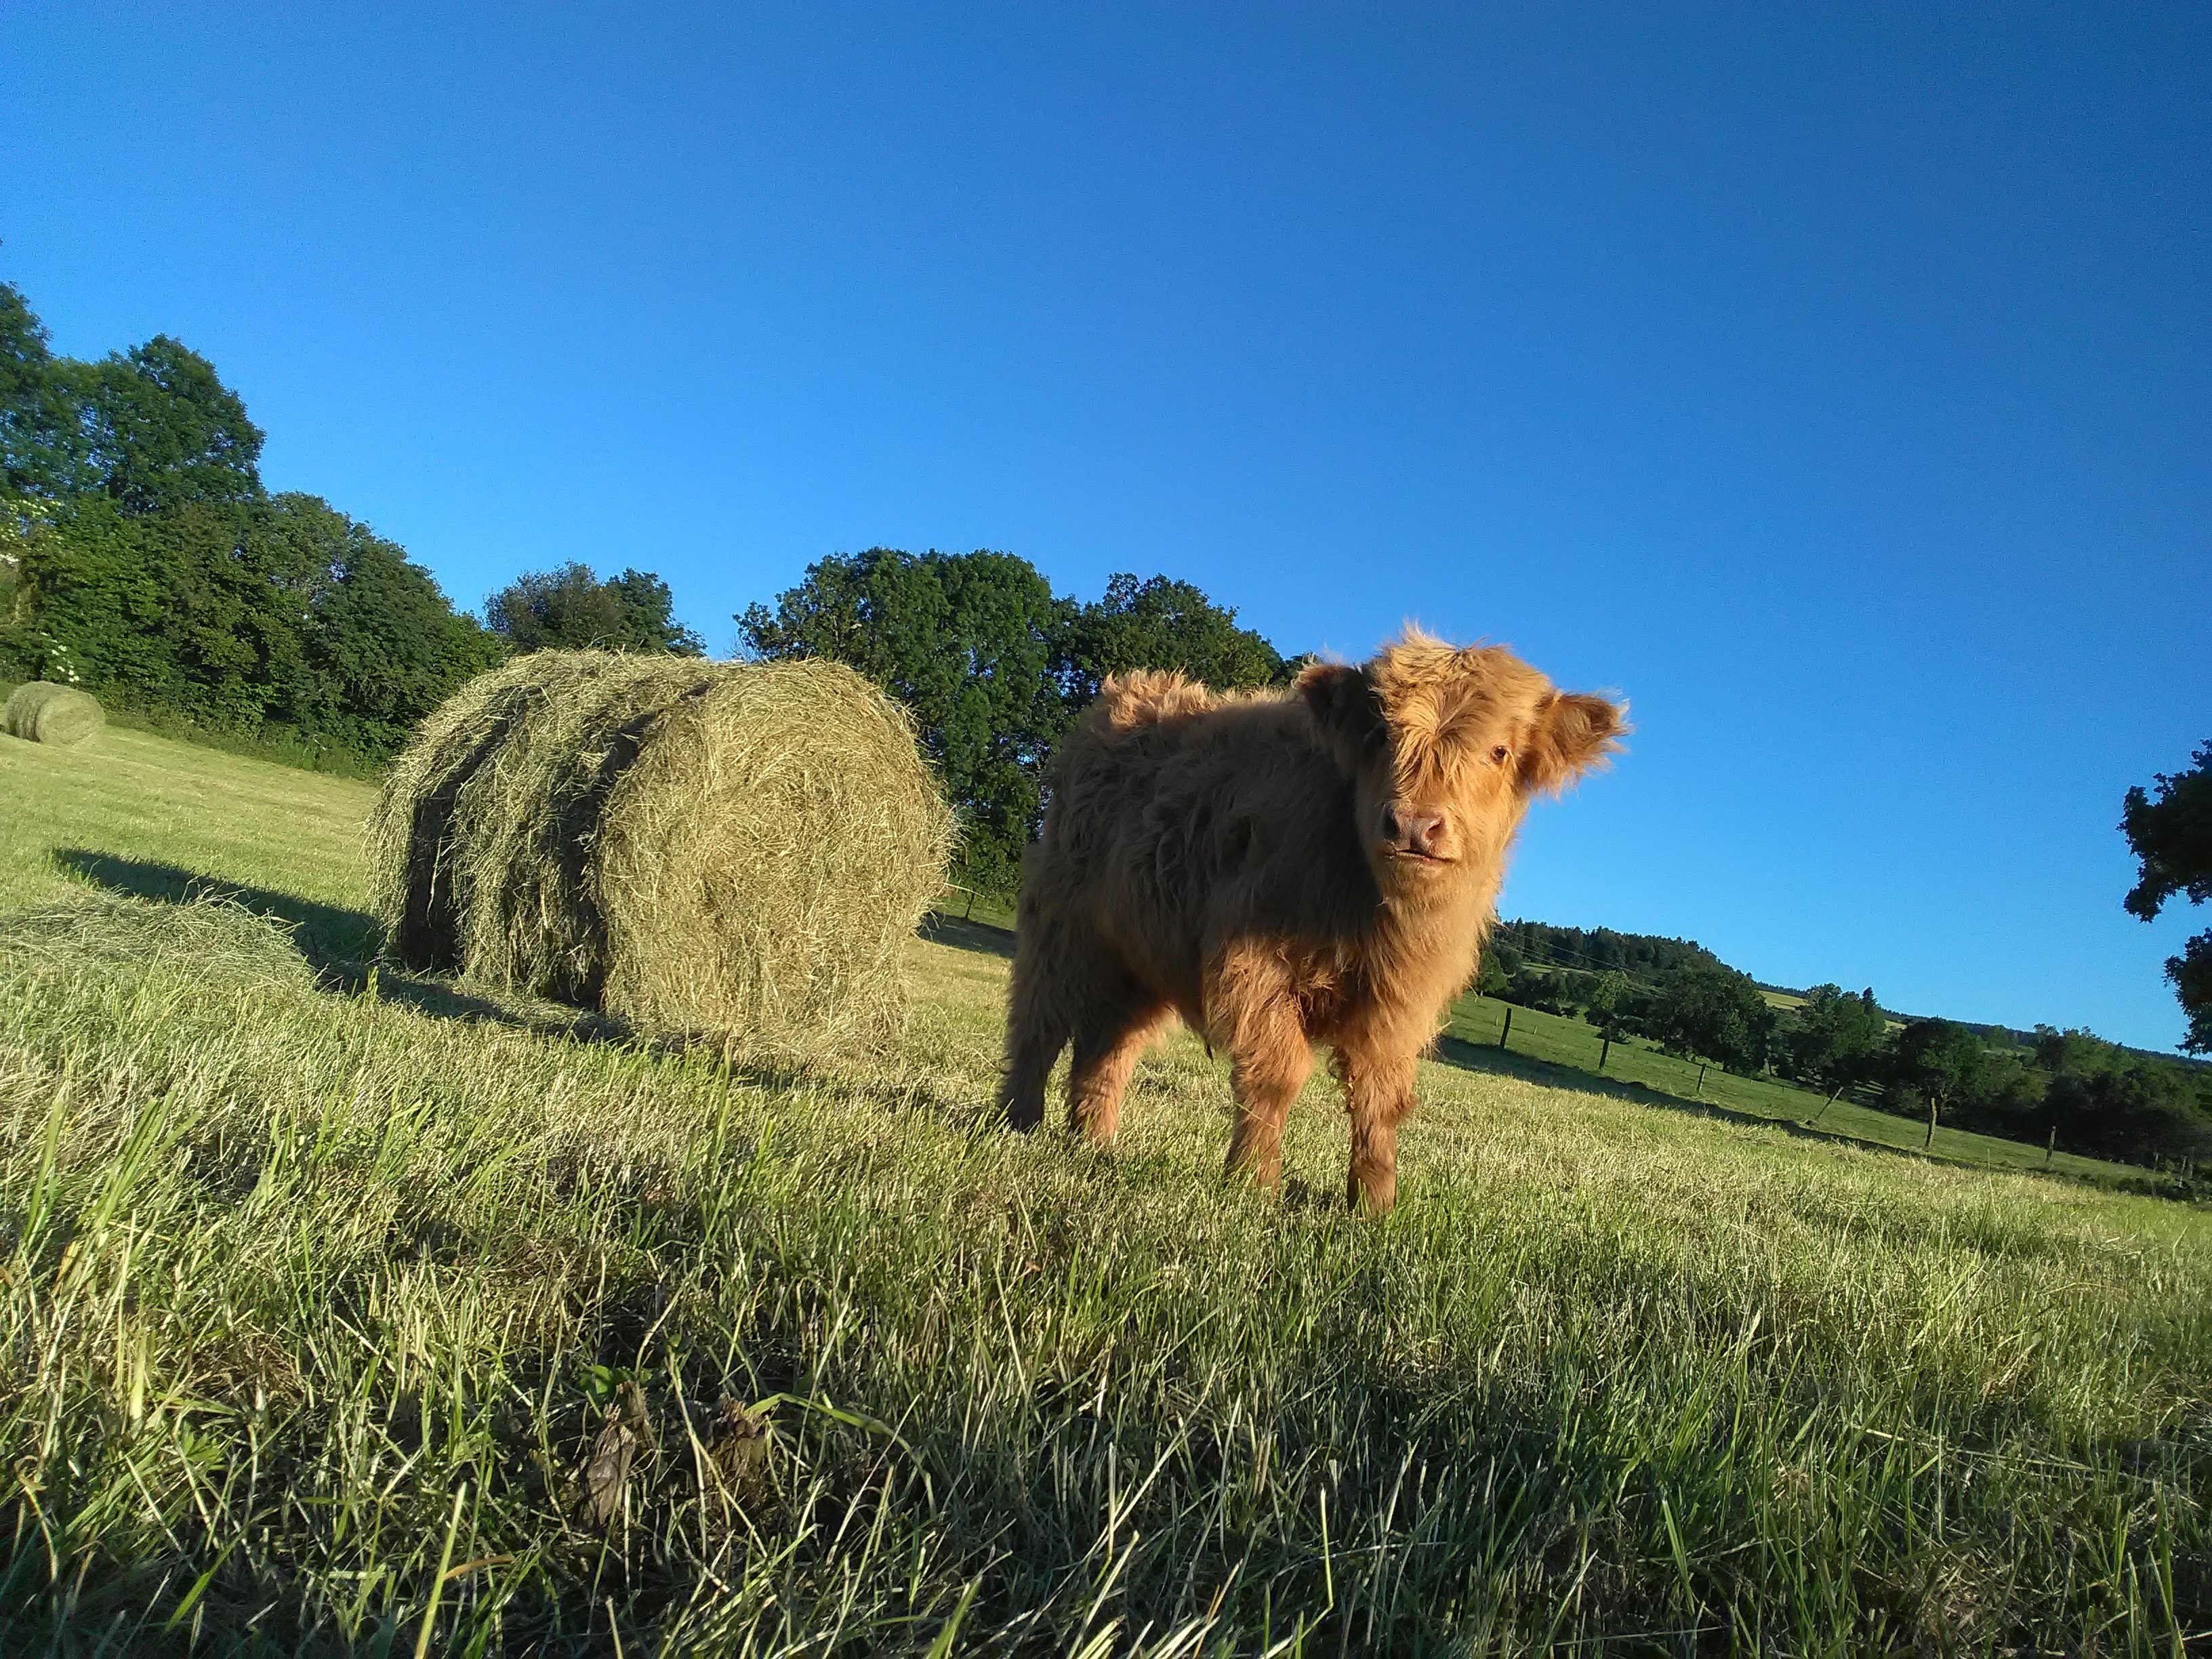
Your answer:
<point x="1373" y="1197"/>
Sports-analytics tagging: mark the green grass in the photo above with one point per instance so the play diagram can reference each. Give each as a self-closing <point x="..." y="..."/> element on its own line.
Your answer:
<point x="315" y="1288"/>
<point x="1574" y="1045"/>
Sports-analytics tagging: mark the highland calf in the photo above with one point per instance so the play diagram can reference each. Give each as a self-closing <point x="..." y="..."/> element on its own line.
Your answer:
<point x="1280" y="870"/>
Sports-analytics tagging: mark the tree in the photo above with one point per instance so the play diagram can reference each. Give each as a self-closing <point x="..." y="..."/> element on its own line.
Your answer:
<point x="1491" y="978"/>
<point x="1831" y="1041"/>
<point x="1715" y="1012"/>
<point x="383" y="646"/>
<point x="1608" y="1002"/>
<point x="42" y="442"/>
<point x="151" y="428"/>
<point x="2102" y="1099"/>
<point x="164" y="431"/>
<point x="572" y="608"/>
<point x="238" y="615"/>
<point x="967" y="641"/>
<point x="1938" y="1061"/>
<point x="1161" y="623"/>
<point x="2172" y="838"/>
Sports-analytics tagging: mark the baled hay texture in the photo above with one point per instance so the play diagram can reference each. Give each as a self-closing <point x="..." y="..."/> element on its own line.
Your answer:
<point x="462" y="787"/>
<point x="692" y="846"/>
<point x="42" y="712"/>
<point x="525" y="824"/>
<point x="764" y="862"/>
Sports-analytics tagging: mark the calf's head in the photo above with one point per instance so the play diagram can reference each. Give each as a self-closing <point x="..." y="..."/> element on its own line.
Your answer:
<point x="1445" y="748"/>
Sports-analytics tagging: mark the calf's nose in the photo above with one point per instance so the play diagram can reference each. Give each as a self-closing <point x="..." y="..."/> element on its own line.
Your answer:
<point x="1415" y="832"/>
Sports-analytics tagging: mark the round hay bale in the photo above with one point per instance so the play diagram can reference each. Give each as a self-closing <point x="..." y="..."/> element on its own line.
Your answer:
<point x="763" y="861"/>
<point x="43" y="712"/>
<point x="692" y="847"/>
<point x="458" y="796"/>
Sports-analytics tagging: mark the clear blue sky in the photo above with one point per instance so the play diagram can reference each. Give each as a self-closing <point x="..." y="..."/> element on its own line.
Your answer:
<point x="1833" y="380"/>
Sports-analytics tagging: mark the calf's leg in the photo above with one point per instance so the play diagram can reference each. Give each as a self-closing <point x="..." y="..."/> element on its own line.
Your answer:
<point x="1251" y="1011"/>
<point x="1378" y="1094"/>
<point x="1109" y="1041"/>
<point x="1266" y="1077"/>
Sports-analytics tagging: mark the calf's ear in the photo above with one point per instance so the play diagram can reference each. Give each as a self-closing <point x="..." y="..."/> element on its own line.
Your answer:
<point x="1343" y="702"/>
<point x="1575" y="732"/>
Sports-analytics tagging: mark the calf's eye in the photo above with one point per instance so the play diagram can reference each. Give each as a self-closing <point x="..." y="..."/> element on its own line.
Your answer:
<point x="1500" y="754"/>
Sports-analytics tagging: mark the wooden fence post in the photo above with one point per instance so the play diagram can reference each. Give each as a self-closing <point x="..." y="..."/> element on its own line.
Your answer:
<point x="1604" y="1049"/>
<point x="1825" y="1104"/>
<point x="1929" y="1144"/>
<point x="1700" y="1092"/>
<point x="2051" y="1152"/>
<point x="1508" y="1031"/>
<point x="968" y="914"/>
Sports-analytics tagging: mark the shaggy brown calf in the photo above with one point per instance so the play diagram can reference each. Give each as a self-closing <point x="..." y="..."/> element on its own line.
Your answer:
<point x="1280" y="869"/>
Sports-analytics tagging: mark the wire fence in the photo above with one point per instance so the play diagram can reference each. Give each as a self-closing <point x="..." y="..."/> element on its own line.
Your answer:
<point x="1574" y="1044"/>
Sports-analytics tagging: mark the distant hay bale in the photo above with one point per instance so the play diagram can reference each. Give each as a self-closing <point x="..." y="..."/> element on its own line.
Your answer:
<point x="43" y="712"/>
<point x="692" y="846"/>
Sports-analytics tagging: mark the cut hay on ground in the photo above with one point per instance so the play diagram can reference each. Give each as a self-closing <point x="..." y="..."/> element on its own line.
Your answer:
<point x="692" y="846"/>
<point x="42" y="712"/>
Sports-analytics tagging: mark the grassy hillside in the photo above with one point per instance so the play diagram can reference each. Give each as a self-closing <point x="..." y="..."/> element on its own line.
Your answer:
<point x="335" y="1305"/>
<point x="1560" y="1045"/>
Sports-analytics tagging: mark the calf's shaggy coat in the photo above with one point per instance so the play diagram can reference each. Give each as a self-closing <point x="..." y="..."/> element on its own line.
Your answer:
<point x="1278" y="870"/>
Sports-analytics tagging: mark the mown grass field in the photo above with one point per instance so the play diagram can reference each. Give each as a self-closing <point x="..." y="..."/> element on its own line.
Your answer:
<point x="1552" y="1040"/>
<point x="318" y="1286"/>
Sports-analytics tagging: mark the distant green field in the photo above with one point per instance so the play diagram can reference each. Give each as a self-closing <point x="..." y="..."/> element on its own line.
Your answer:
<point x="1477" y="1022"/>
<point x="346" y="1312"/>
<point x="1575" y="1046"/>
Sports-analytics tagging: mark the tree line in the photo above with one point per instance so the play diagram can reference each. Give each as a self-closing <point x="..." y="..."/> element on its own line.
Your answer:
<point x="141" y="556"/>
<point x="995" y="666"/>
<point x="2067" y="1088"/>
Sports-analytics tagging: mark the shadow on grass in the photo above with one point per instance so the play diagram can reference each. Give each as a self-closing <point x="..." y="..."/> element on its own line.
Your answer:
<point x="1487" y="1057"/>
<point x="962" y="934"/>
<point x="341" y="945"/>
<point x="344" y="947"/>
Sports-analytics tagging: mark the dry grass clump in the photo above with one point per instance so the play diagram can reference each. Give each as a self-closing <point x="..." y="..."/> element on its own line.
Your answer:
<point x="42" y="712"/>
<point x="692" y="846"/>
<point x="215" y="936"/>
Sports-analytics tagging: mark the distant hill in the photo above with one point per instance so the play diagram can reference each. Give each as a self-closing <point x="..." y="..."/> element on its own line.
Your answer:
<point x="1646" y="956"/>
<point x="1601" y="949"/>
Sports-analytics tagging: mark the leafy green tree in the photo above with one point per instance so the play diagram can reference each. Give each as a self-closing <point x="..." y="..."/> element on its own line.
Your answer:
<point x="185" y="610"/>
<point x="43" y="448"/>
<point x="1937" y="1062"/>
<point x="2102" y="1099"/>
<point x="151" y="428"/>
<point x="967" y="641"/>
<point x="164" y="431"/>
<point x="1608" y="1001"/>
<point x="243" y="614"/>
<point x="1492" y="979"/>
<point x="1713" y="1013"/>
<point x="2172" y="839"/>
<point x="572" y="608"/>
<point x="383" y="646"/>
<point x="1162" y="623"/>
<point x="1833" y="1040"/>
